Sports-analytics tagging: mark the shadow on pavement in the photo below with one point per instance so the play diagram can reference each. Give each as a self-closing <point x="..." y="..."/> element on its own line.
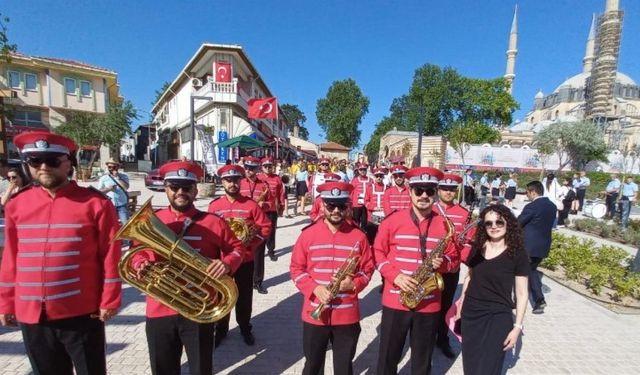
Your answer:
<point x="283" y="251"/>
<point x="277" y="280"/>
<point x="130" y="295"/>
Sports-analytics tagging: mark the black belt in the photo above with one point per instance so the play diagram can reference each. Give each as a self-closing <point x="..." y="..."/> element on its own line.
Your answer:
<point x="625" y="198"/>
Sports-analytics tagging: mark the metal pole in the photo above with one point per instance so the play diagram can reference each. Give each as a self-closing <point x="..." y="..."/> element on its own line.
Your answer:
<point x="420" y="120"/>
<point x="193" y="126"/>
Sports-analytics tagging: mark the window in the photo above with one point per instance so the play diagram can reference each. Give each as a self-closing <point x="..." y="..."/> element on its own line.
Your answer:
<point x="185" y="134"/>
<point x="28" y="118"/>
<point x="30" y="81"/>
<point x="14" y="80"/>
<point x="70" y="86"/>
<point x="85" y="88"/>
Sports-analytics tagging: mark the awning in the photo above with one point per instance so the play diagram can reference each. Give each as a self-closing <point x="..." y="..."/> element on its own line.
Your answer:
<point x="242" y="141"/>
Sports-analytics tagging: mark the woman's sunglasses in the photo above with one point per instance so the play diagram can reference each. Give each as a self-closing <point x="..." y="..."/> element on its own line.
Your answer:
<point x="498" y="223"/>
<point x="418" y="191"/>
<point x="51" y="162"/>
<point x="12" y="177"/>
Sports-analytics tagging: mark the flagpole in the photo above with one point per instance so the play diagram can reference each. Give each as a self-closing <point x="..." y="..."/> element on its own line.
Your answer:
<point x="277" y="139"/>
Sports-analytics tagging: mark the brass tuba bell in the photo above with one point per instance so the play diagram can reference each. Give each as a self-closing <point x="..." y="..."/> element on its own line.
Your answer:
<point x="179" y="279"/>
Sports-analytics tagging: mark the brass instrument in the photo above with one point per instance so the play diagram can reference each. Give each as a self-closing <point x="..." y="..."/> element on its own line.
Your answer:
<point x="180" y="279"/>
<point x="463" y="234"/>
<point x="240" y="228"/>
<point x="428" y="279"/>
<point x="263" y="195"/>
<point x="347" y="268"/>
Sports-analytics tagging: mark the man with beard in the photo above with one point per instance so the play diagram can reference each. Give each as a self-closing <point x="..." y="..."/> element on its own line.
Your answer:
<point x="59" y="277"/>
<point x="233" y="206"/>
<point x="373" y="202"/>
<point x="459" y="216"/>
<point x="316" y="209"/>
<point x="360" y="185"/>
<point x="396" y="197"/>
<point x="275" y="207"/>
<point x="167" y="331"/>
<point x="404" y="242"/>
<point x="323" y="247"/>
<point x="317" y="179"/>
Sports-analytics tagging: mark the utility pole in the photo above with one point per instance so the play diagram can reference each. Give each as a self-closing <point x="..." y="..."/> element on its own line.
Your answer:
<point x="193" y="122"/>
<point x="420" y="125"/>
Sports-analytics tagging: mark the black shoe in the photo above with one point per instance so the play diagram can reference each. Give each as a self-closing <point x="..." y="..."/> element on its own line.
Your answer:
<point x="538" y="308"/>
<point x="273" y="257"/>
<point x="260" y="289"/>
<point x="249" y="339"/>
<point x="445" y="348"/>
<point x="218" y="339"/>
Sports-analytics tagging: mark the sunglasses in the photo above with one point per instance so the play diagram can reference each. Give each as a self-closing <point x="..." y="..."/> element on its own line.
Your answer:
<point x="332" y="206"/>
<point x="421" y="190"/>
<point x="324" y="165"/>
<point x="176" y="188"/>
<point x="12" y="177"/>
<point x="250" y="168"/>
<point x="51" y="162"/>
<point x="111" y="168"/>
<point x="498" y="223"/>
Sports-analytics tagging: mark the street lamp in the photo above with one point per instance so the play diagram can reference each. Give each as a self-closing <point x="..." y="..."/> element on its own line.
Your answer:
<point x="193" y="122"/>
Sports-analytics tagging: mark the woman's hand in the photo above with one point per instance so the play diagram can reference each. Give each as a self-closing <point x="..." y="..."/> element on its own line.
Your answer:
<point x="511" y="339"/>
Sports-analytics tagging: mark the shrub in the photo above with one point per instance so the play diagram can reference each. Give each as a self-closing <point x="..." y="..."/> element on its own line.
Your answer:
<point x="597" y="277"/>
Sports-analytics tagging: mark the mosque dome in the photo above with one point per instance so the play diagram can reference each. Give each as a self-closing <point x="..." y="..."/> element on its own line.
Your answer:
<point x="578" y="81"/>
<point x="539" y="95"/>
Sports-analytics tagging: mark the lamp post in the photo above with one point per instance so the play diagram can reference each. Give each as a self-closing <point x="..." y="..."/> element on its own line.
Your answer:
<point x="420" y="123"/>
<point x="193" y="121"/>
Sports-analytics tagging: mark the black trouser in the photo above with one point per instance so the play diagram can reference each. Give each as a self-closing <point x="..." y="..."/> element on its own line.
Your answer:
<point x="469" y="195"/>
<point x="271" y="241"/>
<point x="564" y="213"/>
<point x="360" y="216"/>
<point x="395" y="325"/>
<point x="580" y="193"/>
<point x="167" y="335"/>
<point x="450" y="286"/>
<point x="244" y="279"/>
<point x="371" y="230"/>
<point x="535" y="282"/>
<point x="57" y="346"/>
<point x="611" y="204"/>
<point x="344" y="340"/>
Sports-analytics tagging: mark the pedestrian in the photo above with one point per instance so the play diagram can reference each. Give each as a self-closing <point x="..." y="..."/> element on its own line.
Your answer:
<point x="275" y="206"/>
<point x="330" y="311"/>
<point x="302" y="178"/>
<point x="512" y="186"/>
<point x="317" y="178"/>
<point x="581" y="191"/>
<point x="629" y="195"/>
<point x="167" y="331"/>
<point x="567" y="196"/>
<point x="537" y="219"/>
<point x="16" y="182"/>
<point x="496" y="183"/>
<point x="612" y="191"/>
<point x="251" y="226"/>
<point x="485" y="188"/>
<point x="59" y="275"/>
<point x="115" y="185"/>
<point x="373" y="202"/>
<point x="419" y="227"/>
<point x="469" y="188"/>
<point x="498" y="266"/>
<point x="575" y="205"/>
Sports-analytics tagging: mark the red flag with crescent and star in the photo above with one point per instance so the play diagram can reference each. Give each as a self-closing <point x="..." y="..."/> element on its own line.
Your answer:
<point x="263" y="108"/>
<point x="222" y="71"/>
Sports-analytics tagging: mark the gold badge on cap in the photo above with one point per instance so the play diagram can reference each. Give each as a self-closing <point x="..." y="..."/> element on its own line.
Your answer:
<point x="42" y="144"/>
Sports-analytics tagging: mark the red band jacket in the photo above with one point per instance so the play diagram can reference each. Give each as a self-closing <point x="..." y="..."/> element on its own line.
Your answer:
<point x="396" y="198"/>
<point x="373" y="198"/>
<point x="459" y="215"/>
<point x="244" y="208"/>
<point x="253" y="190"/>
<point x="317" y="255"/>
<point x="313" y="182"/>
<point x="397" y="250"/>
<point x="209" y="235"/>
<point x="360" y="186"/>
<point x="58" y="253"/>
<point x="277" y="201"/>
<point x="316" y="209"/>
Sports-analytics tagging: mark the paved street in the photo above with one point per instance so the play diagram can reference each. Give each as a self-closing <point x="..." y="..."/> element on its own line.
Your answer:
<point x="574" y="336"/>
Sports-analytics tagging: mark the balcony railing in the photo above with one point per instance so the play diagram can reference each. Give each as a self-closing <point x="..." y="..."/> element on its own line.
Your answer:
<point x="212" y="87"/>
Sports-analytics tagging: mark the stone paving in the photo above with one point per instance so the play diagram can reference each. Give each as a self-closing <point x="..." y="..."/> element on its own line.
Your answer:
<point x="574" y="336"/>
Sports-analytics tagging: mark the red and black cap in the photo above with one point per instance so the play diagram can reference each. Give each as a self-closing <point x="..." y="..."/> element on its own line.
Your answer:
<point x="42" y="142"/>
<point x="423" y="176"/>
<point x="250" y="161"/>
<point x="231" y="171"/>
<point x="181" y="172"/>
<point x="399" y="169"/>
<point x="449" y="179"/>
<point x="335" y="191"/>
<point x="332" y="177"/>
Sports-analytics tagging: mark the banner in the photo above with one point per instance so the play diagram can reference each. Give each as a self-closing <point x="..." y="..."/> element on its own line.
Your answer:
<point x="222" y="151"/>
<point x="222" y="71"/>
<point x="263" y="108"/>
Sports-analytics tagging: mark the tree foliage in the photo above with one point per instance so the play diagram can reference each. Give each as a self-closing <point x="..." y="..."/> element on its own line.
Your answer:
<point x="341" y="111"/>
<point x="574" y="143"/>
<point x="446" y="102"/>
<point x="158" y="93"/>
<point x="296" y="117"/>
<point x="6" y="48"/>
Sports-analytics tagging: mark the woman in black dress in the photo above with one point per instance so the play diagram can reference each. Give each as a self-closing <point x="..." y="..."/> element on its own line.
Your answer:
<point x="498" y="263"/>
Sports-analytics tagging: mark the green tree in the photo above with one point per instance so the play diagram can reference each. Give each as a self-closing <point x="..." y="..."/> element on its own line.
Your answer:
<point x="341" y="111"/>
<point x="574" y="143"/>
<point x="473" y="132"/>
<point x="158" y="93"/>
<point x="90" y="129"/>
<point x="6" y="48"/>
<point x="296" y="117"/>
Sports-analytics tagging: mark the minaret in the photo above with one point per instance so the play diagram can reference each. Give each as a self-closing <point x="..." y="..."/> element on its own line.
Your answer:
<point x="612" y="5"/>
<point x="590" y="53"/>
<point x="510" y="73"/>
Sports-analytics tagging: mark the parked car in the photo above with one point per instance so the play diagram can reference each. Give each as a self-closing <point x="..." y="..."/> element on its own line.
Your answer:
<point x="153" y="181"/>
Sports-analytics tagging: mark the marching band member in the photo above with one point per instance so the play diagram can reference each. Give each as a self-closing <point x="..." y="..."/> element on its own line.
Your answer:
<point x="317" y="178"/>
<point x="237" y="206"/>
<point x="360" y="185"/>
<point x="167" y="331"/>
<point x="396" y="197"/>
<point x="275" y="207"/>
<point x="59" y="277"/>
<point x="316" y="209"/>
<point x="405" y="239"/>
<point x="254" y="188"/>
<point x="373" y="201"/>
<point x="447" y="192"/>
<point x="322" y="248"/>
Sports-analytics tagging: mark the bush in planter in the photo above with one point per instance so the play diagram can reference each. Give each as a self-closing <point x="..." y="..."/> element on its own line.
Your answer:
<point x="597" y="277"/>
<point x="576" y="258"/>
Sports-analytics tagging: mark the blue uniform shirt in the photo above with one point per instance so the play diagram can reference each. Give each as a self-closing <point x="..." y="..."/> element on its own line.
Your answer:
<point x="512" y="183"/>
<point x="584" y="182"/>
<point x="613" y="185"/>
<point x="629" y="189"/>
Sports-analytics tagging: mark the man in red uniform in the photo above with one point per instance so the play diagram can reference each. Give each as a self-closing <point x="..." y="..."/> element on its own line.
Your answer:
<point x="373" y="202"/>
<point x="316" y="210"/>
<point x="396" y="197"/>
<point x="168" y="332"/>
<point x="275" y="207"/>
<point x="405" y="240"/>
<point x="318" y="178"/>
<point x="447" y="192"/>
<point x="360" y="185"/>
<point x="322" y="248"/>
<point x="254" y="188"/>
<point x="59" y="277"/>
<point x="235" y="205"/>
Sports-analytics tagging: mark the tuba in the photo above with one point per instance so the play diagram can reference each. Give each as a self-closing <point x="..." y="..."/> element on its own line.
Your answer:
<point x="428" y="279"/>
<point x="179" y="280"/>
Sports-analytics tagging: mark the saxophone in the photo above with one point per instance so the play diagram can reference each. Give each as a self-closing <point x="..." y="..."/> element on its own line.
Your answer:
<point x="347" y="268"/>
<point x="428" y="279"/>
<point x="263" y="195"/>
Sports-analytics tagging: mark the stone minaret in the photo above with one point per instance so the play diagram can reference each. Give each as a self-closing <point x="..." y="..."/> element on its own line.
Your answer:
<point x="590" y="53"/>
<point x="510" y="73"/>
<point x="612" y="6"/>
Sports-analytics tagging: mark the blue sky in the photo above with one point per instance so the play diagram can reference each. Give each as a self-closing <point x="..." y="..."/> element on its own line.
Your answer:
<point x="301" y="47"/>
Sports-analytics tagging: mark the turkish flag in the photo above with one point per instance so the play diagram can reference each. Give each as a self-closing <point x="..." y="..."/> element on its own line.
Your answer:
<point x="263" y="108"/>
<point x="222" y="71"/>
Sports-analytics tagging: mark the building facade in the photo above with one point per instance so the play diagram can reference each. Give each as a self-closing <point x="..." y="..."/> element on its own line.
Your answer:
<point x="220" y="111"/>
<point x="403" y="145"/>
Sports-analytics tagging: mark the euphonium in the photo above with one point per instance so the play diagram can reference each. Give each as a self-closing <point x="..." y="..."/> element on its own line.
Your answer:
<point x="179" y="279"/>
<point x="240" y="228"/>
<point x="428" y="279"/>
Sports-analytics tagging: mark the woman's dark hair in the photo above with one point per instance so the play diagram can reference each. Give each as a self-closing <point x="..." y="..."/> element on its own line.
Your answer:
<point x="19" y="172"/>
<point x="549" y="180"/>
<point x="513" y="238"/>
